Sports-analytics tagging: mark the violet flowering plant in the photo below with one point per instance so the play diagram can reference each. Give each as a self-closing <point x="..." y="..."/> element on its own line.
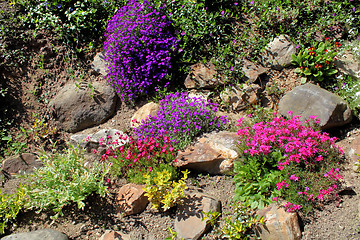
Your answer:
<point x="308" y="161"/>
<point x="182" y="118"/>
<point x="138" y="48"/>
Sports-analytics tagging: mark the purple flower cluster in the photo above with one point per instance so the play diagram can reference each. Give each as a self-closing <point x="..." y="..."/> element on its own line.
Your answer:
<point x="182" y="118"/>
<point x="138" y="48"/>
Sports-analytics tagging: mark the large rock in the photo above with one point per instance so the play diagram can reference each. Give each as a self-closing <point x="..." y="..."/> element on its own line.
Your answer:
<point x="348" y="64"/>
<point x="99" y="64"/>
<point x="202" y="75"/>
<point x="76" y="109"/>
<point x="309" y="99"/>
<point x="279" y="225"/>
<point x="213" y="153"/>
<point x="278" y="53"/>
<point x="189" y="222"/>
<point x="252" y="71"/>
<point x="44" y="234"/>
<point x="241" y="96"/>
<point x="104" y="138"/>
<point x="21" y="164"/>
<point x="131" y="199"/>
<point x="143" y="113"/>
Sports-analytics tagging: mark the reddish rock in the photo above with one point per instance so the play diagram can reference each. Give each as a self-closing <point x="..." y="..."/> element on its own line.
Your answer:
<point x="202" y="75"/>
<point x="131" y="199"/>
<point x="21" y="164"/>
<point x="111" y="235"/>
<point x="214" y="153"/>
<point x="279" y="225"/>
<point x="143" y="113"/>
<point x="241" y="96"/>
<point x="252" y="71"/>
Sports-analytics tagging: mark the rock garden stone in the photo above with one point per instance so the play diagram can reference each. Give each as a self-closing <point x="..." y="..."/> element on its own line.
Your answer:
<point x="214" y="153"/>
<point x="76" y="109"/>
<point x="21" y="164"/>
<point x="279" y="225"/>
<point x="99" y="64"/>
<point x="202" y="75"/>
<point x="44" y="234"/>
<point x="278" y="53"/>
<point x="143" y="113"/>
<point x="348" y="64"/>
<point x="189" y="222"/>
<point x="107" y="138"/>
<point x="131" y="199"/>
<point x="241" y="96"/>
<point x="310" y="100"/>
<point x="251" y="71"/>
<point x="112" y="235"/>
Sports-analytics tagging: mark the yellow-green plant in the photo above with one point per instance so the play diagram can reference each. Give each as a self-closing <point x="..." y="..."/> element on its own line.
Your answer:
<point x="161" y="191"/>
<point x="10" y="205"/>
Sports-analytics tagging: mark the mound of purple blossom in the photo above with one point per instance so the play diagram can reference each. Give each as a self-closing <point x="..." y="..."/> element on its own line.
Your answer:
<point x="138" y="48"/>
<point x="182" y="118"/>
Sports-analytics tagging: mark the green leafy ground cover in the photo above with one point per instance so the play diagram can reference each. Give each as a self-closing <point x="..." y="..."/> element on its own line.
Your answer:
<point x="219" y="31"/>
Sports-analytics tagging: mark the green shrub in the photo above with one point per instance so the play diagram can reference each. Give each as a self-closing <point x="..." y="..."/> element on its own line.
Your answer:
<point x="65" y="178"/>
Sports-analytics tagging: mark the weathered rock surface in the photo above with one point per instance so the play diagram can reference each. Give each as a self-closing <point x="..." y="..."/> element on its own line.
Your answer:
<point x="188" y="221"/>
<point x="44" y="234"/>
<point x="202" y="76"/>
<point x="21" y="164"/>
<point x="309" y="99"/>
<point x="112" y="235"/>
<point x="101" y="139"/>
<point x="279" y="225"/>
<point x="348" y="64"/>
<point x="99" y="63"/>
<point x="251" y="71"/>
<point x="76" y="109"/>
<point x="131" y="199"/>
<point x="278" y="53"/>
<point x="241" y="96"/>
<point x="143" y="113"/>
<point x="214" y="153"/>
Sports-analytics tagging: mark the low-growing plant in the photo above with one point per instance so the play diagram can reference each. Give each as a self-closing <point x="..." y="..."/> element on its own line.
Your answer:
<point x="10" y="205"/>
<point x="348" y="88"/>
<point x="242" y="223"/>
<point x="136" y="157"/>
<point x="162" y="192"/>
<point x="307" y="160"/>
<point x="138" y="48"/>
<point x="64" y="178"/>
<point x="182" y="118"/>
<point x="316" y="62"/>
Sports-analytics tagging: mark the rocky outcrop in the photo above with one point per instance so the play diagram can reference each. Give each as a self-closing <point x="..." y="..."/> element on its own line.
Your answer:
<point x="348" y="64"/>
<point x="241" y="96"/>
<point x="278" y="53"/>
<point x="213" y="153"/>
<point x="99" y="63"/>
<point x="189" y="223"/>
<point x="251" y="71"/>
<point x="21" y="164"/>
<point x="77" y="108"/>
<point x="202" y="75"/>
<point x="143" y="113"/>
<point x="310" y="100"/>
<point x="279" y="225"/>
<point x="131" y="199"/>
<point x="44" y="234"/>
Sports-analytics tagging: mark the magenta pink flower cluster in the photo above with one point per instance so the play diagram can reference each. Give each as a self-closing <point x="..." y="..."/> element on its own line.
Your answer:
<point x="302" y="148"/>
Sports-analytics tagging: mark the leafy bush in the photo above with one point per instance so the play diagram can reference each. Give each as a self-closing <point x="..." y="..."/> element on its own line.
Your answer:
<point x="316" y="62"/>
<point x="76" y="21"/>
<point x="162" y="192"/>
<point x="138" y="48"/>
<point x="307" y="160"/>
<point x="182" y="118"/>
<point x="138" y="157"/>
<point x="65" y="178"/>
<point x="10" y="205"/>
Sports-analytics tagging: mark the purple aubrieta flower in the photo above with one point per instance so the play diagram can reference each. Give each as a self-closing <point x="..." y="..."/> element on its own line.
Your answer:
<point x="58" y="5"/>
<point x="252" y="2"/>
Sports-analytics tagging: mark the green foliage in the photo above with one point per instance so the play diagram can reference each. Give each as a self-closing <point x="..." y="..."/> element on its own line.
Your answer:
<point x="348" y="88"/>
<point x="10" y="205"/>
<point x="242" y="223"/>
<point x="162" y="192"/>
<point x="65" y="178"/>
<point x="212" y="217"/>
<point x="316" y="62"/>
<point x="75" y="21"/>
<point x="256" y="178"/>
